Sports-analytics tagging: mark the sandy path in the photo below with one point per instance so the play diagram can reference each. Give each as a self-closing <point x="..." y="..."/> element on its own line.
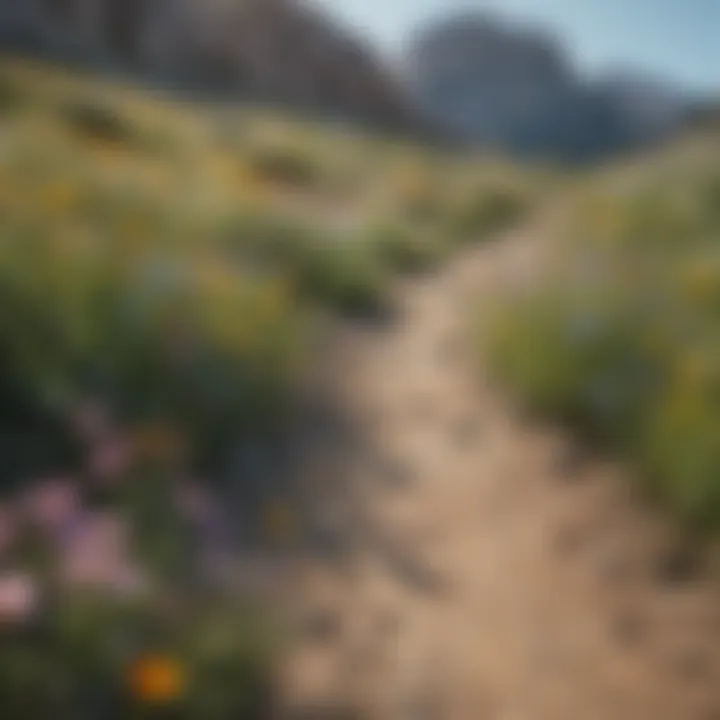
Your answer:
<point x="468" y="565"/>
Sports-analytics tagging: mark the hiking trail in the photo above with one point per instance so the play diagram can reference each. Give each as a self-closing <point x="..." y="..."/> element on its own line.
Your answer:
<point x="467" y="564"/>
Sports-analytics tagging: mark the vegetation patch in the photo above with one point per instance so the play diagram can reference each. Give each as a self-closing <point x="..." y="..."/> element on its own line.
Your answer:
<point x="621" y="339"/>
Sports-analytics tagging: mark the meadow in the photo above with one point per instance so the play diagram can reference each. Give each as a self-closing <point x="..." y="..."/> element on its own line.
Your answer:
<point x="620" y="336"/>
<point x="164" y="266"/>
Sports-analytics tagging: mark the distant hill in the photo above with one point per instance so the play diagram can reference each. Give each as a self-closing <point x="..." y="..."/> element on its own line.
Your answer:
<point x="466" y="78"/>
<point x="703" y="116"/>
<point x="515" y="88"/>
<point x="279" y="50"/>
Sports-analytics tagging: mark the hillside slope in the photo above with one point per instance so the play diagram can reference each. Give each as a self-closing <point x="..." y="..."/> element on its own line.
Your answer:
<point x="469" y="561"/>
<point x="279" y="50"/>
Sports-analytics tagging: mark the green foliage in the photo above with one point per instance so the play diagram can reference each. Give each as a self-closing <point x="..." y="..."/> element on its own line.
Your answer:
<point x="97" y="121"/>
<point x="404" y="249"/>
<point x="12" y="97"/>
<point x="622" y="338"/>
<point x="286" y="164"/>
<point x="86" y="654"/>
<point x="329" y="270"/>
<point x="159" y="267"/>
<point x="484" y="210"/>
<point x="189" y="337"/>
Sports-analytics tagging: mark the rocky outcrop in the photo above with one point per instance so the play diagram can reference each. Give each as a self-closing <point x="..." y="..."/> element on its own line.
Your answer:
<point x="279" y="50"/>
<point x="469" y="77"/>
<point x="517" y="89"/>
<point x="647" y="109"/>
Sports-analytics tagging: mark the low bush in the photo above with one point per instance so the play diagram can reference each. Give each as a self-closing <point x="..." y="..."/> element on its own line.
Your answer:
<point x="95" y="120"/>
<point x="285" y="165"/>
<point x="119" y="658"/>
<point x="621" y="339"/>
<point x="155" y="293"/>
<point x="485" y="210"/>
<point x="404" y="249"/>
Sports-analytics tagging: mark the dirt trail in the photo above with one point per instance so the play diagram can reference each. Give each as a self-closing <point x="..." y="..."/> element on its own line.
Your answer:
<point x="468" y="565"/>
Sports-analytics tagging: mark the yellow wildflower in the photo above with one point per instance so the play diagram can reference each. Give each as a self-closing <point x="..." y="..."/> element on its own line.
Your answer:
<point x="700" y="283"/>
<point x="694" y="367"/>
<point x="60" y="197"/>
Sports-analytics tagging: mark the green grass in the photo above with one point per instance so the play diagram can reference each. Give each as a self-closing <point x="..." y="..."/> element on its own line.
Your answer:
<point x="621" y="337"/>
<point x="131" y="226"/>
<point x="85" y="653"/>
<point x="165" y="264"/>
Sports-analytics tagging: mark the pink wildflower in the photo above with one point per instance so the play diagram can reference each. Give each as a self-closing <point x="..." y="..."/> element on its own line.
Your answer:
<point x="97" y="555"/>
<point x="18" y="597"/>
<point x="110" y="458"/>
<point x="53" y="503"/>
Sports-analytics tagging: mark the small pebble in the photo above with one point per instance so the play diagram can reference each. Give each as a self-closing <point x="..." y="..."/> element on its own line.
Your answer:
<point x="629" y="628"/>
<point x="679" y="566"/>
<point x="322" y="625"/>
<point x="693" y="665"/>
<point x="567" y="540"/>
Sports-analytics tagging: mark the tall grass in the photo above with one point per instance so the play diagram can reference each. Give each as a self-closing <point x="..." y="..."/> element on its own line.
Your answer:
<point x="160" y="267"/>
<point x="622" y="339"/>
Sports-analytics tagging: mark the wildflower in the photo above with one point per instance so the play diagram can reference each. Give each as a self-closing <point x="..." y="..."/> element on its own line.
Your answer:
<point x="156" y="680"/>
<point x="110" y="458"/>
<point x="61" y="197"/>
<point x="18" y="597"/>
<point x="96" y="555"/>
<point x="52" y="504"/>
<point x="700" y="283"/>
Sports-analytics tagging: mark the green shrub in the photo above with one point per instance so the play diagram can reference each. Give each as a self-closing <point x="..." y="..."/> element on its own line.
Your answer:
<point x="331" y="271"/>
<point x="12" y="96"/>
<point x="95" y="120"/>
<point x="485" y="210"/>
<point x="341" y="275"/>
<point x="286" y="165"/>
<point x="404" y="249"/>
<point x="621" y="338"/>
<point x="88" y="656"/>
<point x="102" y="296"/>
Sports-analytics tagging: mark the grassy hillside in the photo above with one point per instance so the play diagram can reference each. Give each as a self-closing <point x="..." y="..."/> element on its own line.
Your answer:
<point x="153" y="245"/>
<point x="621" y="338"/>
<point x="162" y="265"/>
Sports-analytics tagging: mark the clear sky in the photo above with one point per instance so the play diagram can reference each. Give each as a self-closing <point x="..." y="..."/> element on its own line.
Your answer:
<point x="677" y="39"/>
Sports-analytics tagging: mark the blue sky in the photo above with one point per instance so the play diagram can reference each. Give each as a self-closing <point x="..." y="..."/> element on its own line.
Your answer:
<point x="678" y="39"/>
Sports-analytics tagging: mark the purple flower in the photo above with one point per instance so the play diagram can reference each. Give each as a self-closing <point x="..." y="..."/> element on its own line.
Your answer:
<point x="52" y="504"/>
<point x="96" y="555"/>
